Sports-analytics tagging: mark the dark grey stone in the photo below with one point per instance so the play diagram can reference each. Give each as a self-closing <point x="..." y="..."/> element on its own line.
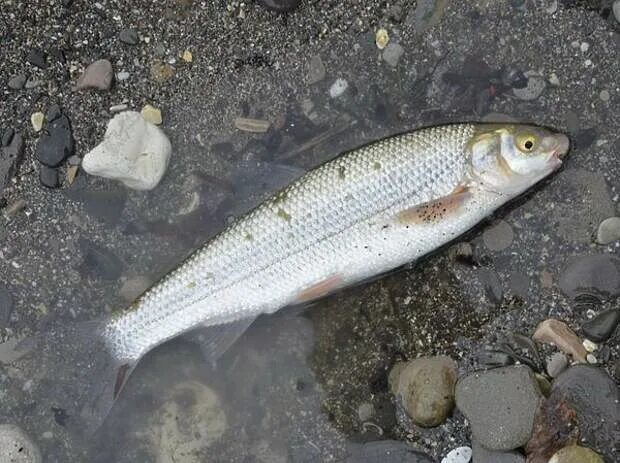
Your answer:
<point x="6" y="304"/>
<point x="594" y="397"/>
<point x="387" y="451"/>
<point x="128" y="36"/>
<point x="280" y="5"/>
<point x="602" y="326"/>
<point x="10" y="156"/>
<point x="99" y="261"/>
<point x="37" y="58"/>
<point x="57" y="142"/>
<point x="17" y="82"/>
<point x="483" y="455"/>
<point x="53" y="113"/>
<point x="49" y="176"/>
<point x="501" y="405"/>
<point x="7" y="136"/>
<point x="598" y="273"/>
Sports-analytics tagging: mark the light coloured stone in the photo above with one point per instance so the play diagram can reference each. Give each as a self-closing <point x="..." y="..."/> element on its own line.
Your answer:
<point x="151" y="114"/>
<point x="133" y="151"/>
<point x="187" y="56"/>
<point x="17" y="447"/>
<point x="458" y="455"/>
<point x="37" y="120"/>
<point x="558" y="333"/>
<point x="608" y="231"/>
<point x="338" y="88"/>
<point x="381" y="38"/>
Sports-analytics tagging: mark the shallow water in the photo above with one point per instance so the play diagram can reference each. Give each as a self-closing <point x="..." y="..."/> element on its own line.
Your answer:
<point x="291" y="387"/>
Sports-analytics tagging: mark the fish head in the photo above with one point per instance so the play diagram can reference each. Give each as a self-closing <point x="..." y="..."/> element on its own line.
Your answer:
<point x="508" y="159"/>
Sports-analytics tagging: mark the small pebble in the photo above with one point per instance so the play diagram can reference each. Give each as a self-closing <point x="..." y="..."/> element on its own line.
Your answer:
<point x="161" y="72"/>
<point x="585" y="46"/>
<point x="458" y="455"/>
<point x="17" y="82"/>
<point x="37" y="120"/>
<point x="151" y="114"/>
<point x="498" y="237"/>
<point x="281" y="6"/>
<point x="608" y="231"/>
<point x="71" y="174"/>
<point x="535" y="86"/>
<point x="99" y="75"/>
<point x="604" y="95"/>
<point x="602" y="326"/>
<point x="616" y="9"/>
<point x="33" y="83"/>
<point x="558" y="333"/>
<point x="576" y="454"/>
<point x="589" y="345"/>
<point x="316" y="70"/>
<point x="554" y="80"/>
<point x="365" y="411"/>
<point x="187" y="56"/>
<point x="251" y="125"/>
<point x="53" y="113"/>
<point x="392" y="53"/>
<point x="556" y="364"/>
<point x="118" y="108"/>
<point x="381" y="38"/>
<point x="37" y="58"/>
<point x="591" y="359"/>
<point x="338" y="88"/>
<point x="129" y="36"/>
<point x="49" y="176"/>
<point x="123" y="75"/>
<point x="7" y="136"/>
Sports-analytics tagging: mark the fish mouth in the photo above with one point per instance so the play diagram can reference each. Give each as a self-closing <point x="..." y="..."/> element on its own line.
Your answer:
<point x="561" y="148"/>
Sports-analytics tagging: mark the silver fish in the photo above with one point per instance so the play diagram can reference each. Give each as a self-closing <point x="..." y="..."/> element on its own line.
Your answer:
<point x="366" y="212"/>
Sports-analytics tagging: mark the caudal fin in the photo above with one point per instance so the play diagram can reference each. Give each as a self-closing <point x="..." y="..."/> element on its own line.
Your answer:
<point x="78" y="375"/>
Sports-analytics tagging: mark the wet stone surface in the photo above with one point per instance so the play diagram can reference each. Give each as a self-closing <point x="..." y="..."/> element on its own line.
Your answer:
<point x="292" y="387"/>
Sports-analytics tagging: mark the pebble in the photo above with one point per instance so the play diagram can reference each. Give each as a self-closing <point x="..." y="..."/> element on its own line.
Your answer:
<point x="338" y="87"/>
<point x="133" y="151"/>
<point x="7" y="136"/>
<point x="392" y="54"/>
<point x="191" y="405"/>
<point x="381" y="38"/>
<point x="252" y="125"/>
<point x="37" y="58"/>
<point x="576" y="454"/>
<point x="604" y="95"/>
<point x="596" y="273"/>
<point x="187" y="56"/>
<point x="134" y="287"/>
<point x="583" y="402"/>
<point x="6" y="305"/>
<point x="387" y="451"/>
<point x="118" y="108"/>
<point x="535" y="86"/>
<point x="49" y="176"/>
<point x="316" y="70"/>
<point x="365" y="411"/>
<point x="161" y="72"/>
<point x="498" y="237"/>
<point x="56" y="144"/>
<point x="608" y="231"/>
<point x="482" y="455"/>
<point x="37" y="120"/>
<point x="556" y="332"/>
<point x="128" y="36"/>
<point x="17" y="82"/>
<point x="11" y="152"/>
<point x="616" y="10"/>
<point x="151" y="114"/>
<point x="589" y="346"/>
<point x="458" y="455"/>
<point x="426" y="387"/>
<point x="554" y="79"/>
<point x="121" y="76"/>
<point x="53" y="113"/>
<point x="280" y="6"/>
<point x="99" y="75"/>
<point x="602" y="326"/>
<point x="427" y="14"/>
<point x="551" y="6"/>
<point x="17" y="447"/>
<point x="33" y="83"/>
<point x="500" y="405"/>
<point x="556" y="364"/>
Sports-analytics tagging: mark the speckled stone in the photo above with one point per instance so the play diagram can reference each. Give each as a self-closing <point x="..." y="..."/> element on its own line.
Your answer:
<point x="576" y="454"/>
<point x="99" y="75"/>
<point x="17" y="447"/>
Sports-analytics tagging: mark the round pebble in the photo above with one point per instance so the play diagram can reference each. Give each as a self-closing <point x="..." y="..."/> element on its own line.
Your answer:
<point x="604" y="95"/>
<point x="602" y="326"/>
<point x="128" y="36"/>
<point x="382" y="38"/>
<point x="151" y="114"/>
<point x="535" y="86"/>
<point x="589" y="345"/>
<point x="17" y="447"/>
<point x="393" y="53"/>
<point x="576" y="454"/>
<point x="99" y="75"/>
<point x="338" y="88"/>
<point x="365" y="411"/>
<point x="556" y="364"/>
<point x="608" y="231"/>
<point x="498" y="237"/>
<point x="458" y="455"/>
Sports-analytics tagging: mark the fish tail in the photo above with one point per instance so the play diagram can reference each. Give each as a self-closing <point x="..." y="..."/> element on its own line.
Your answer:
<point x="81" y="377"/>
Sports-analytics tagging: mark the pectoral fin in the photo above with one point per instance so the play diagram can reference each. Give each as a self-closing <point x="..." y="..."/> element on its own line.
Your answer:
<point x="436" y="210"/>
<point x="215" y="340"/>
<point x="320" y="289"/>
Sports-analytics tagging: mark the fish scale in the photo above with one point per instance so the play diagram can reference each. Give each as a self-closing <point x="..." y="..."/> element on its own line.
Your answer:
<point x="292" y="240"/>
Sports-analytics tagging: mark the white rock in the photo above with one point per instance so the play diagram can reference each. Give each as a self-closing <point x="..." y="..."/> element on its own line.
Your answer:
<point x="458" y="455"/>
<point x="133" y="151"/>
<point x="338" y="88"/>
<point x="16" y="446"/>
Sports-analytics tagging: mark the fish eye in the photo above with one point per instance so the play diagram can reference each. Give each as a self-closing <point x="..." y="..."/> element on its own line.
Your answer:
<point x="526" y="143"/>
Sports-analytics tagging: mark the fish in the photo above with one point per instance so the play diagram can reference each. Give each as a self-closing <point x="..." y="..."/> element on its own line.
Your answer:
<point x="360" y="215"/>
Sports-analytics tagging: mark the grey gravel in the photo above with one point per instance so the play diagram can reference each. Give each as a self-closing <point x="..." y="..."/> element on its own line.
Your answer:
<point x="500" y="404"/>
<point x="608" y="231"/>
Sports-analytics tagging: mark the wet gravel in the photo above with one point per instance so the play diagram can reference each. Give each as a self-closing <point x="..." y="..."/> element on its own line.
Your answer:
<point x="292" y="387"/>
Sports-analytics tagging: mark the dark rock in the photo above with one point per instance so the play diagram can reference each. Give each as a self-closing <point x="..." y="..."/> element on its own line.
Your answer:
<point x="387" y="451"/>
<point x="493" y="358"/>
<point x="53" y="113"/>
<point x="128" y="36"/>
<point x="583" y="406"/>
<point x="491" y="283"/>
<point x="37" y="58"/>
<point x="7" y="136"/>
<point x="598" y="274"/>
<point x="501" y="405"/>
<point x="280" y="5"/>
<point x="99" y="261"/>
<point x="482" y="455"/>
<point x="17" y="82"/>
<point x="602" y="326"/>
<point x="6" y="305"/>
<point x="10" y="156"/>
<point x="57" y="143"/>
<point x="49" y="176"/>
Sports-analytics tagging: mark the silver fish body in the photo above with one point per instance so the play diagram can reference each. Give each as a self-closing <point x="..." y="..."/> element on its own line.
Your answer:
<point x="366" y="212"/>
